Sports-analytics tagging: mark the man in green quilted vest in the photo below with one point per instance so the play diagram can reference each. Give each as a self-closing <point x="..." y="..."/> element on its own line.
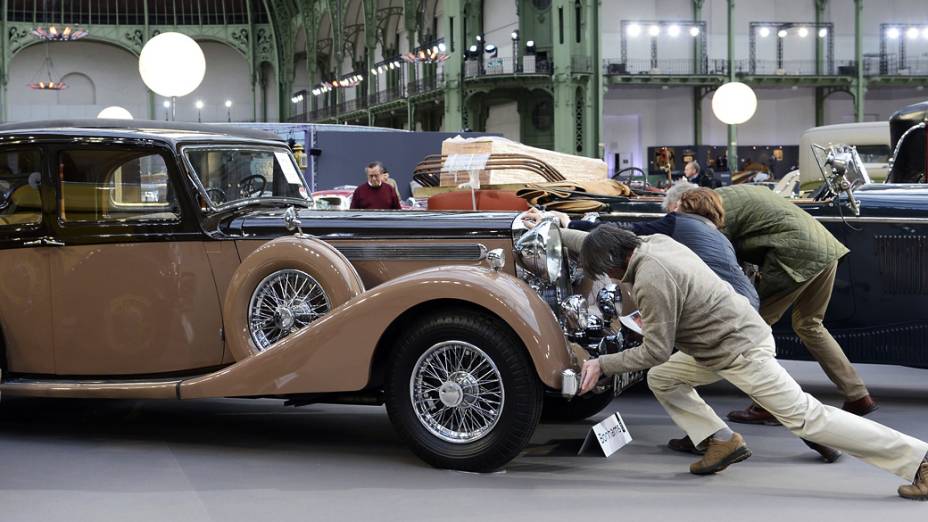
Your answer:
<point x="798" y="260"/>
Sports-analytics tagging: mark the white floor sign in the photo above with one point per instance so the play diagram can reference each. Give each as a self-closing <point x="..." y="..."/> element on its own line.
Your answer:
<point x="610" y="436"/>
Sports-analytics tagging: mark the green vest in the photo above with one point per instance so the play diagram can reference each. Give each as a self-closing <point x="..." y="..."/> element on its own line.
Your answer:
<point x="766" y="229"/>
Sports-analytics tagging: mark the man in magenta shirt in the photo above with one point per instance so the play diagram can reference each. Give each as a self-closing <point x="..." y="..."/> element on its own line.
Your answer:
<point x="375" y="194"/>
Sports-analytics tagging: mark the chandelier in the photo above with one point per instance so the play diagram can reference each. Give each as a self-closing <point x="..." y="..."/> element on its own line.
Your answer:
<point x="351" y="80"/>
<point x="48" y="84"/>
<point x="434" y="54"/>
<point x="53" y="34"/>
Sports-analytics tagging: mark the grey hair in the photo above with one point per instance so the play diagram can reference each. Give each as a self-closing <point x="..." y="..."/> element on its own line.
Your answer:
<point x="674" y="193"/>
<point x="375" y="164"/>
<point x="606" y="248"/>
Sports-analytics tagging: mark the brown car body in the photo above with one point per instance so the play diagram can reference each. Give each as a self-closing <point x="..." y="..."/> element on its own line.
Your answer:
<point x="97" y="305"/>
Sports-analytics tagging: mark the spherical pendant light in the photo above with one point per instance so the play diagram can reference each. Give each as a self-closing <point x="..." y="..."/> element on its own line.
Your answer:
<point x="115" y="112"/>
<point x="172" y="64"/>
<point x="734" y="103"/>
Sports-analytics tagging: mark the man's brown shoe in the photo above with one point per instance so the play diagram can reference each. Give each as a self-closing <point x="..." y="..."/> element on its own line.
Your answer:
<point x="720" y="455"/>
<point x="861" y="406"/>
<point x="918" y="489"/>
<point x="753" y="414"/>
<point x="685" y="445"/>
<point x="828" y="453"/>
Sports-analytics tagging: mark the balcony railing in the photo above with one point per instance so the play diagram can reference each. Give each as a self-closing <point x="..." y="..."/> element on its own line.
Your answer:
<point x="892" y="66"/>
<point x="384" y="96"/>
<point x="505" y="66"/>
<point x="785" y="68"/>
<point x="425" y="85"/>
<point x="673" y="67"/>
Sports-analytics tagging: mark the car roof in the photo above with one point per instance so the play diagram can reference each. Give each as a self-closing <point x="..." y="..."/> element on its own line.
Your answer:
<point x="172" y="132"/>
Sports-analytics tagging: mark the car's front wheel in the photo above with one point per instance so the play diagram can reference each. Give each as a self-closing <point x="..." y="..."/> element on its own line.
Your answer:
<point x="462" y="391"/>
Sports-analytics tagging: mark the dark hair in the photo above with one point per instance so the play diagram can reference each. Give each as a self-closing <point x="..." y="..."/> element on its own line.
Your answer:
<point x="706" y="203"/>
<point x="607" y="247"/>
<point x="375" y="164"/>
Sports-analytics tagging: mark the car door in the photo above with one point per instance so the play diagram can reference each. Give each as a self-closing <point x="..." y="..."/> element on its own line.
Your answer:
<point x="25" y="289"/>
<point x="133" y="292"/>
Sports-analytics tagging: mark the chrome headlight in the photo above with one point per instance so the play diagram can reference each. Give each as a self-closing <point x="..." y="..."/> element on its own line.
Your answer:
<point x="541" y="253"/>
<point x="576" y="315"/>
<point x="609" y="301"/>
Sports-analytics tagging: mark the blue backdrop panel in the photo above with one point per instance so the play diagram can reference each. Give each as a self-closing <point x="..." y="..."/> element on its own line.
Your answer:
<point x="345" y="154"/>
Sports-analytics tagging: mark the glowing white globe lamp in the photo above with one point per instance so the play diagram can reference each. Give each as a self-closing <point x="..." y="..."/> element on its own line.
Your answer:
<point x="172" y="65"/>
<point x="734" y="103"/>
<point x="114" y="113"/>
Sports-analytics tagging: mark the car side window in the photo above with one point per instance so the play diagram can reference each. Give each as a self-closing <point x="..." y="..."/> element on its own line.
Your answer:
<point x="20" y="177"/>
<point x="116" y="185"/>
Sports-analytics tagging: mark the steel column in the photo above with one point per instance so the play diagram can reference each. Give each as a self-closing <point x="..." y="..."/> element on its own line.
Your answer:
<point x="819" y="56"/>
<point x="452" y="20"/>
<point x="732" y="130"/>
<point x="860" y="84"/>
<point x="697" y="68"/>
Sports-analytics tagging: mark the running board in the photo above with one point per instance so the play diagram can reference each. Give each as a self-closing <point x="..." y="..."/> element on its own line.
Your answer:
<point x="92" y="388"/>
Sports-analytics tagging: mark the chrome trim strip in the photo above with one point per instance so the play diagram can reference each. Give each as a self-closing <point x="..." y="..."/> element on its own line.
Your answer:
<point x="826" y="219"/>
<point x="655" y="215"/>
<point x="415" y="252"/>
<point x="888" y="220"/>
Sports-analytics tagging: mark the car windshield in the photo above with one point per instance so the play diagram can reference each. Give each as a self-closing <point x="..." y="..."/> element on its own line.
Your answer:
<point x="231" y="174"/>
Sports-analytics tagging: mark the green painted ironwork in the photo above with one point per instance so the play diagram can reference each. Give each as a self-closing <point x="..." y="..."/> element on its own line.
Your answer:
<point x="255" y="41"/>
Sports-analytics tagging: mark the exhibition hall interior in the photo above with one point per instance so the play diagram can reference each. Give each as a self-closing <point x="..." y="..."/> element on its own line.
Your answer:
<point x="463" y="259"/>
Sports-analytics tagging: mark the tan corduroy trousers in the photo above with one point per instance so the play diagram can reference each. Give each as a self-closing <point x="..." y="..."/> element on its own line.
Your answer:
<point x="758" y="374"/>
<point x="809" y="301"/>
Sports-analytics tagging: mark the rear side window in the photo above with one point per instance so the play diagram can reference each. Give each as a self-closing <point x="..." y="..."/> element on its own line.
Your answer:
<point x="115" y="185"/>
<point x="20" y="177"/>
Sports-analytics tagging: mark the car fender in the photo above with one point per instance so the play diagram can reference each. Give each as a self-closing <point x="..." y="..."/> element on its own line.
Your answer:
<point x="335" y="353"/>
<point x="320" y="260"/>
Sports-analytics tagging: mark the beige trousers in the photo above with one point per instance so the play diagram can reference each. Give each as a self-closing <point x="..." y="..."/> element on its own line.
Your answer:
<point x="809" y="301"/>
<point x="758" y="374"/>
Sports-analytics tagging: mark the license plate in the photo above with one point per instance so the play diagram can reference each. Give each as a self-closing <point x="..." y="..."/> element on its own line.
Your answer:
<point x="624" y="381"/>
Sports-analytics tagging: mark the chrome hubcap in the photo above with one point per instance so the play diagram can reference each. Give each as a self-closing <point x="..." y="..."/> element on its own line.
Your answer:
<point x="284" y="318"/>
<point x="283" y="303"/>
<point x="457" y="392"/>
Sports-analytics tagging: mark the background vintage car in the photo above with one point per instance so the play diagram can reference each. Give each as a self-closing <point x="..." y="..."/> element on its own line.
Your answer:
<point x="169" y="261"/>
<point x="879" y="309"/>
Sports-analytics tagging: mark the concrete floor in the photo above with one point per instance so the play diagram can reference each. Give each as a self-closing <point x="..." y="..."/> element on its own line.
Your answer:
<point x="256" y="460"/>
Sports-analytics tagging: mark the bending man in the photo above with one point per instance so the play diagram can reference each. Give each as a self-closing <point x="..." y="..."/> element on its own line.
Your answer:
<point x="674" y="288"/>
<point x="798" y="260"/>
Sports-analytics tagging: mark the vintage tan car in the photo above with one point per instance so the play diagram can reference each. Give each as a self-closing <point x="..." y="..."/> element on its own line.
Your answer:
<point x="185" y="261"/>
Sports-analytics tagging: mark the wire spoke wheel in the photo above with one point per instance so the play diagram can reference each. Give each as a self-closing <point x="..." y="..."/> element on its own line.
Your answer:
<point x="457" y="392"/>
<point x="283" y="303"/>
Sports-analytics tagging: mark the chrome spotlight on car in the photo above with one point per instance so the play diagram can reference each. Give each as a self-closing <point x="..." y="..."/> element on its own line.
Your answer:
<point x="847" y="172"/>
<point x="576" y="315"/>
<point x="609" y="302"/>
<point x="540" y="251"/>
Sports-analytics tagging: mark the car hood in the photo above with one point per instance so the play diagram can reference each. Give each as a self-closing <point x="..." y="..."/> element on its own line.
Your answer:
<point x="393" y="224"/>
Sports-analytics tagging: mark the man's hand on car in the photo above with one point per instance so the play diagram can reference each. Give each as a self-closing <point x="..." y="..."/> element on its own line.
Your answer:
<point x="590" y="375"/>
<point x="532" y="217"/>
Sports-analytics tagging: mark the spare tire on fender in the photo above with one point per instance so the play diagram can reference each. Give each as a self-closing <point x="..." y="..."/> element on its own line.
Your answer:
<point x="280" y="288"/>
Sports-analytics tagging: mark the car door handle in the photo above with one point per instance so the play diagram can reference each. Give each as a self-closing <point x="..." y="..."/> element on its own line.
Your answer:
<point x="44" y="241"/>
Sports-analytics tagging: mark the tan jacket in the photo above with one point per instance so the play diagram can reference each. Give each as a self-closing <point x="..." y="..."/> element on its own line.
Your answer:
<point x="684" y="304"/>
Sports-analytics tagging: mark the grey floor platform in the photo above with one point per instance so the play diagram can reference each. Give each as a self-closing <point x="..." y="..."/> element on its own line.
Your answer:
<point x="239" y="460"/>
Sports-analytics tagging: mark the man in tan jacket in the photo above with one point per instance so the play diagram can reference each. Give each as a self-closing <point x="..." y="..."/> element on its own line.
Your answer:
<point x="719" y="335"/>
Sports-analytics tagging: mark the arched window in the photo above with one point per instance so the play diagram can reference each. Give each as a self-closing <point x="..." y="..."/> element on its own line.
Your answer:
<point x="81" y="90"/>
